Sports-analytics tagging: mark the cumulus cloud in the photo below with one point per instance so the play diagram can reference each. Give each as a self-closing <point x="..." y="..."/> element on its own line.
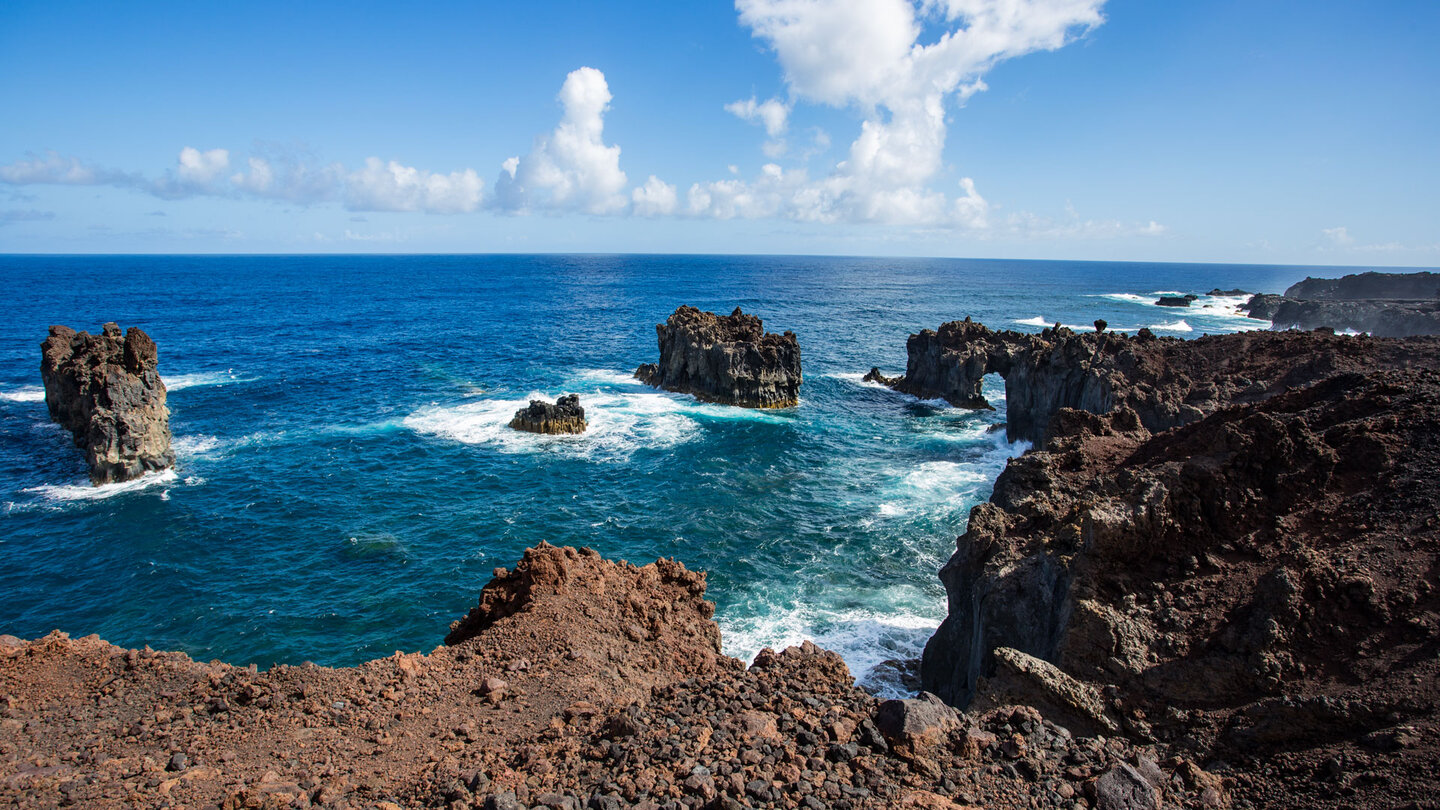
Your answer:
<point x="382" y="186"/>
<point x="25" y="215"/>
<point x="570" y="169"/>
<point x="773" y="114"/>
<point x="56" y="169"/>
<point x="654" y="199"/>
<point x="868" y="55"/>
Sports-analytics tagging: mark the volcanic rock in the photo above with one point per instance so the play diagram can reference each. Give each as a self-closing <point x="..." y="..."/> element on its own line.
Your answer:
<point x="106" y="391"/>
<point x="1176" y="300"/>
<point x="1234" y="549"/>
<point x="1382" y="304"/>
<point x="728" y="359"/>
<point x="564" y="416"/>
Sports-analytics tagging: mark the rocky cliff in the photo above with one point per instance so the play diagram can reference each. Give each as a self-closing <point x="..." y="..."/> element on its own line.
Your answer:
<point x="727" y="359"/>
<point x="563" y="416"/>
<point x="106" y="391"/>
<point x="1229" y="545"/>
<point x="575" y="682"/>
<point x="1159" y="382"/>
<point x="1382" y="304"/>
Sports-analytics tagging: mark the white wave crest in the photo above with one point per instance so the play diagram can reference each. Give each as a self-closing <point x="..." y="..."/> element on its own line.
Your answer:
<point x="85" y="492"/>
<point x="23" y="393"/>
<point x="1174" y="326"/>
<point x="197" y="445"/>
<point x="864" y="638"/>
<point x="619" y="425"/>
<point x="202" y="379"/>
<point x="1129" y="298"/>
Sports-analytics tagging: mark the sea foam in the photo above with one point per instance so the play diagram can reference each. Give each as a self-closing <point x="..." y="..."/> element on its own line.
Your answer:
<point x="85" y="492"/>
<point x="23" y="393"/>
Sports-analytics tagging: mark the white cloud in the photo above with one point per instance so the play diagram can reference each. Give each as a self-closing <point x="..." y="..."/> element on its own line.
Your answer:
<point x="201" y="168"/>
<point x="382" y="186"/>
<point x="1338" y="236"/>
<point x="774" y="114"/>
<point x="654" y="199"/>
<point x="570" y="169"/>
<point x="867" y="55"/>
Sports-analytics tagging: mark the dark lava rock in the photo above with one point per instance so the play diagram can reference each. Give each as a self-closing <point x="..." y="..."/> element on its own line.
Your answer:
<point x="1176" y="300"/>
<point x="565" y="416"/>
<point x="1382" y="304"/>
<point x="1217" y="291"/>
<point x="916" y="722"/>
<point x="729" y="359"/>
<point x="1123" y="788"/>
<point x="106" y="391"/>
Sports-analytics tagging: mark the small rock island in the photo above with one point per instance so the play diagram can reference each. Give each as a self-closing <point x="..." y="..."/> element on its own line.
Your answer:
<point x="730" y="360"/>
<point x="105" y="390"/>
<point x="564" y="416"/>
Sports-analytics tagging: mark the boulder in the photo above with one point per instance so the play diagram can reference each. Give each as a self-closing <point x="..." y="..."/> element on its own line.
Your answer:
<point x="1176" y="300"/>
<point x="916" y="722"/>
<point x="1026" y="680"/>
<point x="106" y="391"/>
<point x="729" y="360"/>
<point x="564" y="416"/>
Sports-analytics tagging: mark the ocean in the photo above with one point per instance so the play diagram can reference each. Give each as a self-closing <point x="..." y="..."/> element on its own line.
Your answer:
<point x="346" y="482"/>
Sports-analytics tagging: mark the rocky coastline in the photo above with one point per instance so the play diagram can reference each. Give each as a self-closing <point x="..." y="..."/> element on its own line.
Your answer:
<point x="1213" y="582"/>
<point x="726" y="359"/>
<point x="106" y="391"/>
<point x="1380" y="304"/>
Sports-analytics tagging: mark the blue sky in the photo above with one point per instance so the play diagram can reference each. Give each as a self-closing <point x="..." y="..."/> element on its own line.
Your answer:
<point x="1275" y="132"/>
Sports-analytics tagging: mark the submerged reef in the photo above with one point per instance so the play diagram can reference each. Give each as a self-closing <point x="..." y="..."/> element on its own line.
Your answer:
<point x="563" y="416"/>
<point x="106" y="391"/>
<point x="727" y="359"/>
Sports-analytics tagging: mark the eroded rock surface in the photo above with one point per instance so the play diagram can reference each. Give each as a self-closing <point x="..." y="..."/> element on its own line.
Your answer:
<point x="106" y="391"/>
<point x="1235" y="547"/>
<point x="1382" y="304"/>
<point x="576" y="682"/>
<point x="563" y="416"/>
<point x="728" y="359"/>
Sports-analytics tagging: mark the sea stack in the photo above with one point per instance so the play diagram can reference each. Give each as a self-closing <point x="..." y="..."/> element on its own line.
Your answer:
<point x="729" y="360"/>
<point x="564" y="416"/>
<point x="106" y="391"/>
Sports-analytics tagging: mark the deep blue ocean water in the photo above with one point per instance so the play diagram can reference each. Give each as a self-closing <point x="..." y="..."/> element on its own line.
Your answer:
<point x="346" y="483"/>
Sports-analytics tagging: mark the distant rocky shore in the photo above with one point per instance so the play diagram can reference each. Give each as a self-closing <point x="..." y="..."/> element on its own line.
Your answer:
<point x="106" y="391"/>
<point x="727" y="359"/>
<point x="1381" y="304"/>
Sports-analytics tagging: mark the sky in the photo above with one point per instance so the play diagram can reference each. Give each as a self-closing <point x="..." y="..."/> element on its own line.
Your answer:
<point x="1255" y="131"/>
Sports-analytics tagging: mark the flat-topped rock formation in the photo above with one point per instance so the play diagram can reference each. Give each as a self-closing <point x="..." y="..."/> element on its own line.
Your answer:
<point x="728" y="359"/>
<point x="106" y="391"/>
<point x="1228" y="546"/>
<point x="1382" y="304"/>
<point x="563" y="416"/>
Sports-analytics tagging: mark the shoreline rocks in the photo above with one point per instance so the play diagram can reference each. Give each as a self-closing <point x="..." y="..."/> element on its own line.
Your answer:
<point x="564" y="416"/>
<point x="1380" y="304"/>
<point x="730" y="360"/>
<point x="1215" y="552"/>
<point x="106" y="391"/>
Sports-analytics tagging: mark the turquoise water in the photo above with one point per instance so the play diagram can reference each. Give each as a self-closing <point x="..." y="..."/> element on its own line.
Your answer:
<point x="345" y="481"/>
